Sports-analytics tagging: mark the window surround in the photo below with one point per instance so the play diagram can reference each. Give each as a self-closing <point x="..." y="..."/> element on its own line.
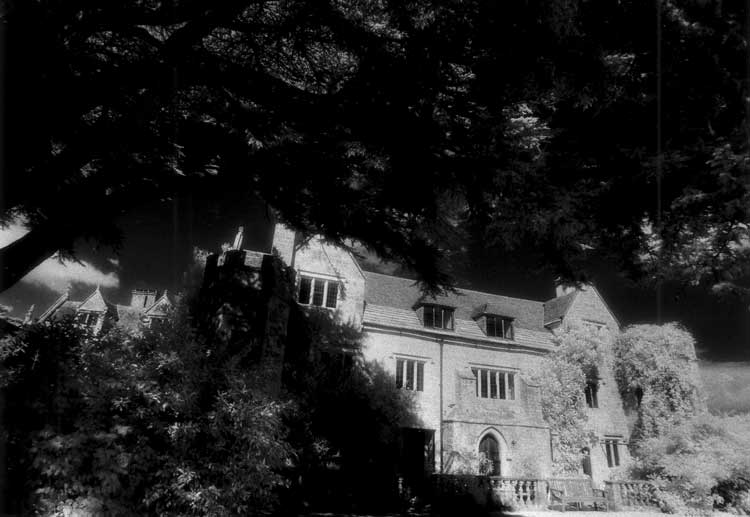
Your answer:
<point x="494" y="383"/>
<point x="87" y="319"/>
<point x="612" y="451"/>
<point x="410" y="373"/>
<point x="318" y="290"/>
<point x="436" y="316"/>
<point x="498" y="326"/>
<point x="591" y="394"/>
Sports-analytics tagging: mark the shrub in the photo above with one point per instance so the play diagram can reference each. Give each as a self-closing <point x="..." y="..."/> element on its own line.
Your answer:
<point x="134" y="425"/>
<point x="701" y="462"/>
<point x="657" y="377"/>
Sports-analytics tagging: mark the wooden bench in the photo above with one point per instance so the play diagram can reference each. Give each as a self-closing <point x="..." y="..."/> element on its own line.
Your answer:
<point x="576" y="491"/>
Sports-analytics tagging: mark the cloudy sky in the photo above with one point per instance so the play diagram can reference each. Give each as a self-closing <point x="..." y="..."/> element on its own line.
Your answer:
<point x="157" y="248"/>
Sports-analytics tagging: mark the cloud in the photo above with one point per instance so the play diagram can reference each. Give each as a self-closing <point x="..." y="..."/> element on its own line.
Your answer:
<point x="11" y="233"/>
<point x="58" y="276"/>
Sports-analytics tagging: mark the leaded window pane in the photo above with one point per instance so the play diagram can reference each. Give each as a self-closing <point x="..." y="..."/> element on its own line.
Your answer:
<point x="305" y="286"/>
<point x="318" y="289"/>
<point x="332" y="295"/>
<point x="511" y="386"/>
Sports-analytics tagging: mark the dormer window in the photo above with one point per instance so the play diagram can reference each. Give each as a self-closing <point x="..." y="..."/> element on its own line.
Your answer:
<point x="498" y="326"/>
<point x="87" y="319"/>
<point x="437" y="316"/>
<point x="318" y="292"/>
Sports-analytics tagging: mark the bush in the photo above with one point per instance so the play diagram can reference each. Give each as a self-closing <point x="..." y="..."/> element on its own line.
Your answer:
<point x="133" y="425"/>
<point x="701" y="463"/>
<point x="657" y="377"/>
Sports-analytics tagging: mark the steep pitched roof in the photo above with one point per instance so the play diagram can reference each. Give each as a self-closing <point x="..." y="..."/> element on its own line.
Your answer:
<point x="160" y="307"/>
<point x="56" y="305"/>
<point x="556" y="308"/>
<point x="95" y="303"/>
<point x="402" y="293"/>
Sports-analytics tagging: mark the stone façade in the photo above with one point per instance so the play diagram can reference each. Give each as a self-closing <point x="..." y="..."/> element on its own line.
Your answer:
<point x="387" y="309"/>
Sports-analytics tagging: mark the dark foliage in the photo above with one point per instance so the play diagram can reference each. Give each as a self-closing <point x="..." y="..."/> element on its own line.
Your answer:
<point x="567" y="126"/>
<point x="189" y="418"/>
<point x="348" y="429"/>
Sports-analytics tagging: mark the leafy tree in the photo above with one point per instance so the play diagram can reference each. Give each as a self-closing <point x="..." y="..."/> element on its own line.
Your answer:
<point x="349" y="417"/>
<point x="562" y="376"/>
<point x="700" y="463"/>
<point x="657" y="376"/>
<point x="533" y="123"/>
<point x="128" y="425"/>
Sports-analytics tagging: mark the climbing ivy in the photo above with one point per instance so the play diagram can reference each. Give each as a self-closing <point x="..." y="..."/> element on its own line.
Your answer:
<point x="562" y="375"/>
<point x="657" y="377"/>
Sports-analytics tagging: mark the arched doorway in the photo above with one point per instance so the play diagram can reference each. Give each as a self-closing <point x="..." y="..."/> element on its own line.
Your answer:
<point x="490" y="447"/>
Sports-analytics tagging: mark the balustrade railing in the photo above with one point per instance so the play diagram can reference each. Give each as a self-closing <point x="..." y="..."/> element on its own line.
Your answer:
<point x="532" y="493"/>
<point x="631" y="495"/>
<point x="521" y="493"/>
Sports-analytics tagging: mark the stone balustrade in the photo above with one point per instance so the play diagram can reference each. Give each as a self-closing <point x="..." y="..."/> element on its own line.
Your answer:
<point x="532" y="493"/>
<point x="519" y="493"/>
<point x="630" y="495"/>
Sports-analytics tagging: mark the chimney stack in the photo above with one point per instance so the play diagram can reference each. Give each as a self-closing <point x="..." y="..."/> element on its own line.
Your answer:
<point x="142" y="298"/>
<point x="283" y="242"/>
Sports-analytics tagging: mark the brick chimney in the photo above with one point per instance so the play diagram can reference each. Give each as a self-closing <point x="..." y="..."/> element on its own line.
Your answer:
<point x="283" y="242"/>
<point x="142" y="298"/>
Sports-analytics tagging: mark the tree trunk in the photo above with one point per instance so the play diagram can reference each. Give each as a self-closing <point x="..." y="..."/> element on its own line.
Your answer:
<point x="26" y="253"/>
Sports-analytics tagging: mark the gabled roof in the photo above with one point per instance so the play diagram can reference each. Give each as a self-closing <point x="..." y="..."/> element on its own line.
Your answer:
<point x="56" y="305"/>
<point x="402" y="293"/>
<point x="160" y="307"/>
<point x="556" y="308"/>
<point x="95" y="303"/>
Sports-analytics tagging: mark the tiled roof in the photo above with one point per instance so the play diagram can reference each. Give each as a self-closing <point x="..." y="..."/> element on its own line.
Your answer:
<point x="127" y="317"/>
<point x="556" y="308"/>
<point x="160" y="307"/>
<point x="95" y="303"/>
<point x="402" y="293"/>
<point x="406" y="319"/>
<point x="390" y="303"/>
<point x="68" y="308"/>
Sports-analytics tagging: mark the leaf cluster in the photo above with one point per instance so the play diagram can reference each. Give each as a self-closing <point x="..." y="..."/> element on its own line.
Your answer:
<point x="562" y="377"/>
<point x="657" y="376"/>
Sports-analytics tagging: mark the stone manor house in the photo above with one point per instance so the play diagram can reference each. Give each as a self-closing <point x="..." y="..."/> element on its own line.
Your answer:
<point x="463" y="356"/>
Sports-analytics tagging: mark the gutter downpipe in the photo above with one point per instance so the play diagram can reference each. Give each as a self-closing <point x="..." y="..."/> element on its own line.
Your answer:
<point x="442" y="464"/>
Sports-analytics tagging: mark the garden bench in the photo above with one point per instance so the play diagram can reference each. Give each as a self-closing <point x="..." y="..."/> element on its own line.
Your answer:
<point x="576" y="491"/>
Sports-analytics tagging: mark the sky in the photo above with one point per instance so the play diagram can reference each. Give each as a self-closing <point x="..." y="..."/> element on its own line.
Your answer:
<point x="158" y="239"/>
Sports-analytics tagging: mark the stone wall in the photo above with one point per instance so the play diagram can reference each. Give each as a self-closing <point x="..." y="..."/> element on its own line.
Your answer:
<point x="609" y="419"/>
<point x="467" y="417"/>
